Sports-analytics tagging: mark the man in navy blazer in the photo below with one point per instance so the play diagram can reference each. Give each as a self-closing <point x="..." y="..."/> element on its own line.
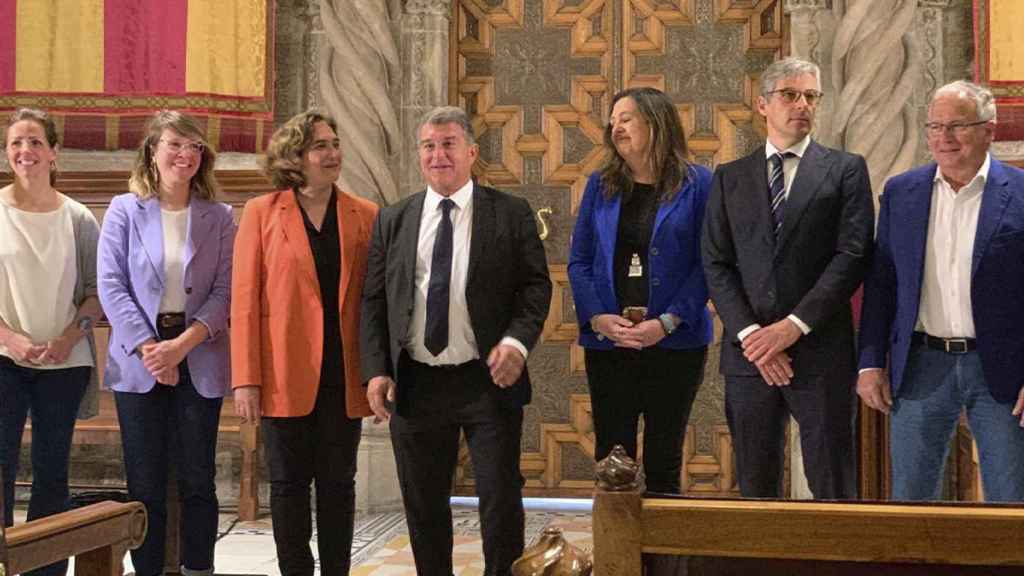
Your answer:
<point x="945" y="302"/>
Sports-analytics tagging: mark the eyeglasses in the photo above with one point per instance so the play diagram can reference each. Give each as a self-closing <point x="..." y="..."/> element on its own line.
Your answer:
<point x="791" y="96"/>
<point x="176" y="147"/>
<point x="957" y="128"/>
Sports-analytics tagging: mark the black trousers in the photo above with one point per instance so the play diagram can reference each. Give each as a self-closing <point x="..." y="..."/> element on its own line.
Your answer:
<point x="659" y="384"/>
<point x="441" y="403"/>
<point x="320" y="447"/>
<point x="823" y="406"/>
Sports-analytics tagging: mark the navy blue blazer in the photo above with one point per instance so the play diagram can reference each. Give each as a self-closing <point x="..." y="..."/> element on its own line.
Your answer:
<point x="892" y="292"/>
<point x="676" y="275"/>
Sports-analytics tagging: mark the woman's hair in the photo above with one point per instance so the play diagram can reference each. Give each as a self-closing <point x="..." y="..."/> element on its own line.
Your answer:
<point x="283" y="161"/>
<point x="145" y="177"/>
<point x="49" y="128"/>
<point x="667" y="146"/>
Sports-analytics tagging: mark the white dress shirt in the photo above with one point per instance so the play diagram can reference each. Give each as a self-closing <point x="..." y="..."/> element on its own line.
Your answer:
<point x="461" y="339"/>
<point x="789" y="167"/>
<point x="945" y="308"/>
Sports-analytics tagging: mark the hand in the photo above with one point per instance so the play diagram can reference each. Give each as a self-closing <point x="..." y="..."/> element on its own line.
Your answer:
<point x="23" y="349"/>
<point x="506" y="364"/>
<point x="873" y="389"/>
<point x="613" y="327"/>
<point x="777" y="370"/>
<point x="764" y="343"/>
<point x="380" y="391"/>
<point x="247" y="403"/>
<point x="57" y="351"/>
<point x="1018" y="408"/>
<point x="646" y="333"/>
<point x="168" y="376"/>
<point x="159" y="356"/>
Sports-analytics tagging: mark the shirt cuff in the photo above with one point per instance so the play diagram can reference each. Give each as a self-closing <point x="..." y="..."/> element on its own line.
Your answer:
<point x="800" y="324"/>
<point x="747" y="331"/>
<point x="510" y="341"/>
<point x="863" y="370"/>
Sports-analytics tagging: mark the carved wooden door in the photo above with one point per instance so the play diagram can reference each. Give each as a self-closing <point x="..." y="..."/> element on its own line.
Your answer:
<point x="537" y="77"/>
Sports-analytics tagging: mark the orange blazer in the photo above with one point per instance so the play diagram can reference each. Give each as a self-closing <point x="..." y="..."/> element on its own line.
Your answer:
<point x="276" y="307"/>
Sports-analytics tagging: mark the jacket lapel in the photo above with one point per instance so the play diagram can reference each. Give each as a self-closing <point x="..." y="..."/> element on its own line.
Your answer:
<point x="665" y="209"/>
<point x="811" y="172"/>
<point x="483" y="229"/>
<point x="294" y="231"/>
<point x="608" y="212"/>
<point x="151" y="231"/>
<point x="200" y="226"/>
<point x="753" y="181"/>
<point x="912" y="220"/>
<point x="994" y="200"/>
<point x="350" y="228"/>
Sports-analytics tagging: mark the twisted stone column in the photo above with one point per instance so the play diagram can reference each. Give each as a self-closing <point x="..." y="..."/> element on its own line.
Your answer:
<point x="360" y="72"/>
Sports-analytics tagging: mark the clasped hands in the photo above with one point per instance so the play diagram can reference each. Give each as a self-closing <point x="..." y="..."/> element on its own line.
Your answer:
<point x="24" y="349"/>
<point x="625" y="334"/>
<point x="161" y="359"/>
<point x="766" y="348"/>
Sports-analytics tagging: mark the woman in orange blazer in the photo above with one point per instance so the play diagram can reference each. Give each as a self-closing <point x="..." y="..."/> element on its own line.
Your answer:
<point x="300" y="261"/>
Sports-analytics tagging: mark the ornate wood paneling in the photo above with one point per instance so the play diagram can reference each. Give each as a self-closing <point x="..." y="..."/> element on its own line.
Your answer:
<point x="537" y="77"/>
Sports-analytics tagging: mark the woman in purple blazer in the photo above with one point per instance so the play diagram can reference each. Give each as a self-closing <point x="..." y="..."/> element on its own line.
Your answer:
<point x="164" y="282"/>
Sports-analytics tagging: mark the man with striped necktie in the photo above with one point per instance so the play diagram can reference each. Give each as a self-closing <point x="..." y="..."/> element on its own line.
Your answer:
<point x="787" y="240"/>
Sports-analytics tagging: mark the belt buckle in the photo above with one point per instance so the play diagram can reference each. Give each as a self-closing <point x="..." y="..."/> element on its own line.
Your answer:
<point x="959" y="348"/>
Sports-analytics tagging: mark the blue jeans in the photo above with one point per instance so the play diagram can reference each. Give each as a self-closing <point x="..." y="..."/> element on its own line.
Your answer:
<point x="53" y="397"/>
<point x="936" y="387"/>
<point x="172" y="422"/>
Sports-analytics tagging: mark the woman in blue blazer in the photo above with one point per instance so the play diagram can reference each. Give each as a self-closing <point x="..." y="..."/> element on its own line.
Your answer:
<point x="638" y="284"/>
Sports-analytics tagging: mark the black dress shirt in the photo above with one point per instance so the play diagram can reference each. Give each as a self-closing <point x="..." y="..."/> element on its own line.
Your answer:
<point x="636" y="224"/>
<point x="326" y="248"/>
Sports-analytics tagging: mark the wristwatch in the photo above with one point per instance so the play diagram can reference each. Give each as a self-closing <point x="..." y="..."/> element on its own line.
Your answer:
<point x="667" y="323"/>
<point x="85" y="323"/>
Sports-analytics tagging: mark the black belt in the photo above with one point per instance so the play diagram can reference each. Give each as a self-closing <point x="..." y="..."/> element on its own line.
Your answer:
<point x="170" y="320"/>
<point x="445" y="367"/>
<point x="947" y="345"/>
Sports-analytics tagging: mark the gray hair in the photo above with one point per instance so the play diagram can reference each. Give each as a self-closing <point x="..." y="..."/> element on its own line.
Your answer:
<point x="787" y="68"/>
<point x="984" y="101"/>
<point x="447" y="115"/>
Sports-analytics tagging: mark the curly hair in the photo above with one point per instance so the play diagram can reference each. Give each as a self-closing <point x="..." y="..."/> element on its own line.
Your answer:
<point x="145" y="178"/>
<point x="283" y="160"/>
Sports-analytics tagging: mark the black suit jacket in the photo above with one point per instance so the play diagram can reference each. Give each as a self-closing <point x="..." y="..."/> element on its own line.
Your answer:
<point x="508" y="289"/>
<point x="820" y="258"/>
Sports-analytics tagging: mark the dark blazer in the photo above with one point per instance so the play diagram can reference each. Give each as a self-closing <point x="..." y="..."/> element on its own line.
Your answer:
<point x="892" y="293"/>
<point x="508" y="290"/>
<point x="821" y="256"/>
<point x="676" y="276"/>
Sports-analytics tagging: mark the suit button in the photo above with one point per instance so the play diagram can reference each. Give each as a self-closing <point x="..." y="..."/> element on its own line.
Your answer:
<point x="654" y="251"/>
<point x="655" y="282"/>
<point x="188" y="290"/>
<point x="771" y="294"/>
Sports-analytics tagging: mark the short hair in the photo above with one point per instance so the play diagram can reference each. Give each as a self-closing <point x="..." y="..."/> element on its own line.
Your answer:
<point x="667" y="146"/>
<point x="983" y="99"/>
<point x="283" y="161"/>
<point x="45" y="121"/>
<point x="787" y="68"/>
<point x="144" y="181"/>
<point x="447" y="115"/>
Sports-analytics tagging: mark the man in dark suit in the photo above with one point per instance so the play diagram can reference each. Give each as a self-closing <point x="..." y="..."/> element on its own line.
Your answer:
<point x="787" y="240"/>
<point x="457" y="291"/>
<point x="945" y="302"/>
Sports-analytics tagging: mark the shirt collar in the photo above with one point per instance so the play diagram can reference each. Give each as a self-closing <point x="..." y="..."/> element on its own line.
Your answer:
<point x="462" y="197"/>
<point x="797" y="149"/>
<point x="981" y="177"/>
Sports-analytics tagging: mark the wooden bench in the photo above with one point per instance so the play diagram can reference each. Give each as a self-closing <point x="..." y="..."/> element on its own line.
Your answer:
<point x="794" y="538"/>
<point x="97" y="536"/>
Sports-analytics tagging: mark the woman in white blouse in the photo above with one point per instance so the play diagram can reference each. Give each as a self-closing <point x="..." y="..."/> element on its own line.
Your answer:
<point x="48" y="306"/>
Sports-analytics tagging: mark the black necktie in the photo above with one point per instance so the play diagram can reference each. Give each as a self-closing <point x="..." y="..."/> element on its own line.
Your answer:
<point x="777" y="189"/>
<point x="435" y="336"/>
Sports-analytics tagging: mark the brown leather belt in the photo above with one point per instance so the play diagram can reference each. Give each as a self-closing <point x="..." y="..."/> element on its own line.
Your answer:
<point x="170" y="320"/>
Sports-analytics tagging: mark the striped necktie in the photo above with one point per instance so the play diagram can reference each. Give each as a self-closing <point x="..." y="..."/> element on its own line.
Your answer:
<point x="777" y="189"/>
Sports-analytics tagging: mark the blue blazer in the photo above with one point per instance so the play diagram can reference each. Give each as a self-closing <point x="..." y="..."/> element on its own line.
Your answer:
<point x="676" y="275"/>
<point x="892" y="292"/>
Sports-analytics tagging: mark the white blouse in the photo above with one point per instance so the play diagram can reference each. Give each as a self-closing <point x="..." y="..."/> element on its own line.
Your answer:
<point x="175" y="226"/>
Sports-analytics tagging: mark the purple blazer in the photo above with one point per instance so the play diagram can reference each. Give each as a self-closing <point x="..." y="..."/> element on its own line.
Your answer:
<point x="131" y="284"/>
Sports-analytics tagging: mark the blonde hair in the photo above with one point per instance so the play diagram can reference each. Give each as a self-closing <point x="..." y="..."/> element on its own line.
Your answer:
<point x="145" y="177"/>
<point x="283" y="160"/>
<point x="49" y="129"/>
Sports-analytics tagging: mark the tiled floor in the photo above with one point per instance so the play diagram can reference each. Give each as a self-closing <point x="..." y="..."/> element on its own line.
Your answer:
<point x="381" y="543"/>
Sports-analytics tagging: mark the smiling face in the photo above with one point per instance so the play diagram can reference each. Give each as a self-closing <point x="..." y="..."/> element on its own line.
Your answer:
<point x="958" y="153"/>
<point x="321" y="161"/>
<point x="631" y="133"/>
<point x="446" y="157"/>
<point x="177" y="158"/>
<point x="28" y="151"/>
<point x="789" y="123"/>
